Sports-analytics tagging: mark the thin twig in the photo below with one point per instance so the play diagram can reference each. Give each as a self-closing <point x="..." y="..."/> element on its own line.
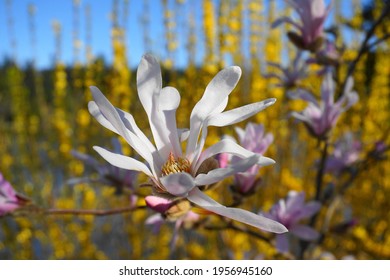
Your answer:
<point x="321" y="171"/>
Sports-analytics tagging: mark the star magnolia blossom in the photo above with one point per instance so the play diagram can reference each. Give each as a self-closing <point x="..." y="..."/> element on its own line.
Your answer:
<point x="255" y="140"/>
<point x="321" y="117"/>
<point x="290" y="212"/>
<point x="9" y="199"/>
<point x="312" y="14"/>
<point x="290" y="75"/>
<point x="346" y="152"/>
<point x="173" y="172"/>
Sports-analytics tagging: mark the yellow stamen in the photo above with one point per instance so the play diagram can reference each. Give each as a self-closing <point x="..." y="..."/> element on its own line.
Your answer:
<point x="175" y="165"/>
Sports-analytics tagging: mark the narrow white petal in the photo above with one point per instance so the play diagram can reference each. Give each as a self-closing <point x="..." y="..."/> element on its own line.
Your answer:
<point x="169" y="102"/>
<point x="122" y="161"/>
<point x="219" y="174"/>
<point x="149" y="85"/>
<point x="131" y="125"/>
<point x="183" y="134"/>
<point x="95" y="112"/>
<point x="228" y="146"/>
<point x="240" y="133"/>
<point x="149" y="81"/>
<point x="199" y="198"/>
<point x="109" y="112"/>
<point x="216" y="93"/>
<point x="239" y="114"/>
<point x="178" y="184"/>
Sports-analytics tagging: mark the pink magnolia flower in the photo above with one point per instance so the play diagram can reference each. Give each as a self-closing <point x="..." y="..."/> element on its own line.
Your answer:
<point x="9" y="199"/>
<point x="290" y="75"/>
<point x="108" y="174"/>
<point x="321" y="117"/>
<point x="290" y="212"/>
<point x="312" y="14"/>
<point x="346" y="152"/>
<point x="174" y="173"/>
<point x="254" y="139"/>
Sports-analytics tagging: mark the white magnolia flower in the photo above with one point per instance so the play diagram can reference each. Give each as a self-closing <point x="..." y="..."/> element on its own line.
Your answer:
<point x="174" y="173"/>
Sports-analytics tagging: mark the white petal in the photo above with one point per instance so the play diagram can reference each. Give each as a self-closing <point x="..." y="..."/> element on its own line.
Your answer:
<point x="149" y="85"/>
<point x="240" y="133"/>
<point x="219" y="174"/>
<point x="149" y="81"/>
<point x="122" y="161"/>
<point x="199" y="198"/>
<point x="239" y="114"/>
<point x="178" y="184"/>
<point x="183" y="134"/>
<point x="95" y="112"/>
<point x="216" y="93"/>
<point x="228" y="146"/>
<point x="110" y="113"/>
<point x="131" y="125"/>
<point x="169" y="102"/>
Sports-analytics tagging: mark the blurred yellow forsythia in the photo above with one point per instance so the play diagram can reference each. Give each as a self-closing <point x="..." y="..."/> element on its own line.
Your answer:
<point x="41" y="123"/>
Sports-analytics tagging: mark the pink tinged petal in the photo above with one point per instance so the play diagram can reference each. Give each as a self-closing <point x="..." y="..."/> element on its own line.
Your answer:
<point x="309" y="210"/>
<point x="191" y="217"/>
<point x="158" y="204"/>
<point x="304" y="232"/>
<point x="223" y="160"/>
<point x="304" y="95"/>
<point x="295" y="200"/>
<point x="281" y="20"/>
<point x="217" y="92"/>
<point x="199" y="198"/>
<point x="110" y="113"/>
<point x="169" y="102"/>
<point x="156" y="221"/>
<point x="122" y="161"/>
<point x="304" y="118"/>
<point x="282" y="242"/>
<point x="9" y="199"/>
<point x="219" y="174"/>
<point x="239" y="114"/>
<point x="327" y="90"/>
<point x="178" y="184"/>
<point x="230" y="147"/>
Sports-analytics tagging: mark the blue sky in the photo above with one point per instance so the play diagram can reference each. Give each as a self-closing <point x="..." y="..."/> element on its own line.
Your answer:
<point x="61" y="10"/>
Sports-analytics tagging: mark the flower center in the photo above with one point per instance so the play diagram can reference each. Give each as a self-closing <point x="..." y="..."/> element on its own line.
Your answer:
<point x="173" y="165"/>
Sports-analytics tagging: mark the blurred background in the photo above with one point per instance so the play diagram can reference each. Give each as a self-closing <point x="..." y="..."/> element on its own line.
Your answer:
<point x="52" y="51"/>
